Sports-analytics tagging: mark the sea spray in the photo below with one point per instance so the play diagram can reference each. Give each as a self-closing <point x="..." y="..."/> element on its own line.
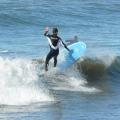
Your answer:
<point x="18" y="83"/>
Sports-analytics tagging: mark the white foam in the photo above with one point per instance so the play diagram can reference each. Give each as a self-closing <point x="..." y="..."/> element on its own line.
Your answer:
<point x="106" y="56"/>
<point x="108" y="59"/>
<point x="74" y="84"/>
<point x="18" y="83"/>
<point x="84" y="89"/>
<point x="81" y="85"/>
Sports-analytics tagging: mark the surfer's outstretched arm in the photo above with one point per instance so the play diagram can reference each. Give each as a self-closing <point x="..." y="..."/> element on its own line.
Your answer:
<point x="64" y="45"/>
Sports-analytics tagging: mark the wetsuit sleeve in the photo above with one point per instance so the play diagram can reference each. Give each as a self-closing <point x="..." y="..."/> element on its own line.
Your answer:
<point x="64" y="44"/>
<point x="50" y="43"/>
<point x="49" y="40"/>
<point x="46" y="34"/>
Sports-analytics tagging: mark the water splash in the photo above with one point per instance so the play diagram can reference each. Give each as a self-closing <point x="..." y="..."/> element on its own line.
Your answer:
<point x="19" y="83"/>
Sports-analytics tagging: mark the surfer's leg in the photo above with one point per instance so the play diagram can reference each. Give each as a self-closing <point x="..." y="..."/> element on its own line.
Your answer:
<point x="49" y="56"/>
<point x="55" y="61"/>
<point x="55" y="58"/>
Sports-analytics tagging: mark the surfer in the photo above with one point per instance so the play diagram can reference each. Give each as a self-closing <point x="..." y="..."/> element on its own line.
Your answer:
<point x="54" y="43"/>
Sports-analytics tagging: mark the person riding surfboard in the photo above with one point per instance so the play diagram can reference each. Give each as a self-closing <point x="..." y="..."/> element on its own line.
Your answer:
<point x="54" y="43"/>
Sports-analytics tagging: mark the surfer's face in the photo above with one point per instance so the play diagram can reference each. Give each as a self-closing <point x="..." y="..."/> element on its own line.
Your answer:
<point x="55" y="33"/>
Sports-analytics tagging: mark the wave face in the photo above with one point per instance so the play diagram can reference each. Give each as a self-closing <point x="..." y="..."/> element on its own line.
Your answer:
<point x="99" y="70"/>
<point x="24" y="81"/>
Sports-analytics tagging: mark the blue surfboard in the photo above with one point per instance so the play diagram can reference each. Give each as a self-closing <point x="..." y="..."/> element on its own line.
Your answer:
<point x="68" y="58"/>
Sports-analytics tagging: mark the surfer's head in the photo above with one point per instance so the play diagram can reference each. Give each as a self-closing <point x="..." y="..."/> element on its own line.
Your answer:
<point x="55" y="31"/>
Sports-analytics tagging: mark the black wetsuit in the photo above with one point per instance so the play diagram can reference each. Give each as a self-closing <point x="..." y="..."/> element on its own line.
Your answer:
<point x="54" y="42"/>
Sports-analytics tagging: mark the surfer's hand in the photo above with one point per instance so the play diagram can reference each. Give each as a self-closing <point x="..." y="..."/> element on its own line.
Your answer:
<point x="46" y="29"/>
<point x="71" y="51"/>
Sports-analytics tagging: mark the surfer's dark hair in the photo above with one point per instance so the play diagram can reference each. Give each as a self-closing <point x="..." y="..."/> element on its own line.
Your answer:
<point x="55" y="30"/>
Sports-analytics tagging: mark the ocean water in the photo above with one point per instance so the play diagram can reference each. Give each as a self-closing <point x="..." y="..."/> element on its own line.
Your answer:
<point x="88" y="90"/>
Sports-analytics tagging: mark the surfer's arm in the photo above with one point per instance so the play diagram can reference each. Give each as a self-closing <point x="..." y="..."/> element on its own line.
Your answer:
<point x="64" y="45"/>
<point x="46" y="34"/>
<point x="46" y="31"/>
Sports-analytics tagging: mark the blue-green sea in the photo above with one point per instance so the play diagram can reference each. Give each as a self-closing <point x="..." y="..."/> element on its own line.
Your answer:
<point x="87" y="90"/>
